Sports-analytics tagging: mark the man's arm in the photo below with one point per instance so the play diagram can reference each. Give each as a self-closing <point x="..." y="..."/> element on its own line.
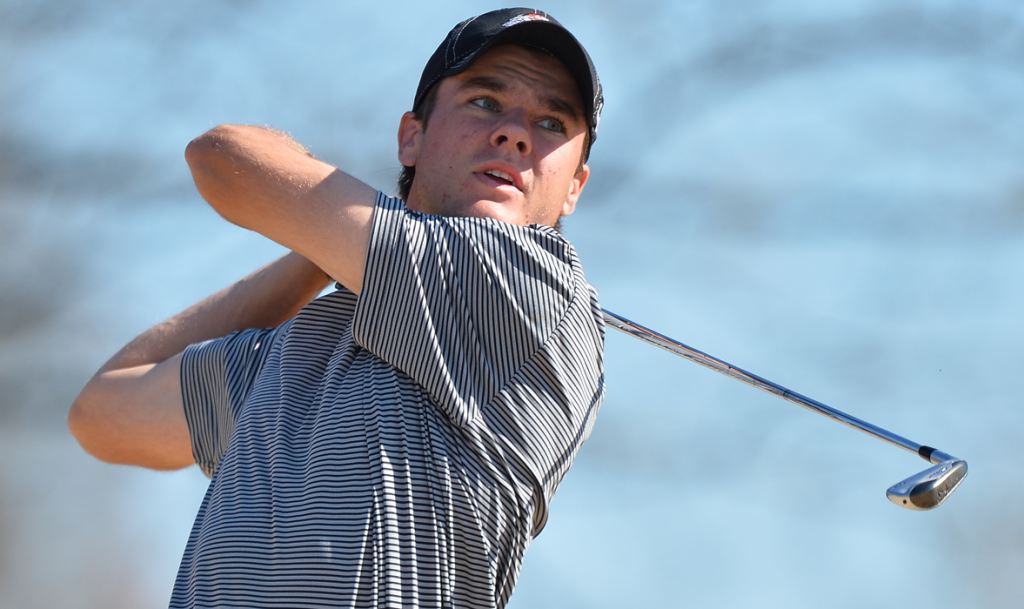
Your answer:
<point x="262" y="180"/>
<point x="131" y="411"/>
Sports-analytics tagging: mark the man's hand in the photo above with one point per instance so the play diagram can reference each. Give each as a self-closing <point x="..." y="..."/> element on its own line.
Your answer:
<point x="262" y="180"/>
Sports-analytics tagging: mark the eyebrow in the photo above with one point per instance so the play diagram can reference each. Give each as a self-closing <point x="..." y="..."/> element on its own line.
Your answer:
<point x="551" y="102"/>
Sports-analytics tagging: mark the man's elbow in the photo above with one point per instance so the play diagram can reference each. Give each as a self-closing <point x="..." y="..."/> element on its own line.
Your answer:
<point x="89" y="425"/>
<point x="103" y="430"/>
<point x="209" y="157"/>
<point x="133" y="417"/>
<point x="203" y="150"/>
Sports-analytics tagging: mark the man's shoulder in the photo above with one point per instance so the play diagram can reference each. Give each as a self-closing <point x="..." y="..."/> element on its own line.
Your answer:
<point x="523" y="243"/>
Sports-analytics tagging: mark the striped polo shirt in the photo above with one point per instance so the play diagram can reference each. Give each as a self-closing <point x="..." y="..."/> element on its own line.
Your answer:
<point x="399" y="448"/>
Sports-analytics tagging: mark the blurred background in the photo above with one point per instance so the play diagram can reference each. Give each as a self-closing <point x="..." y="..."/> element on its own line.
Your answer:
<point x="829" y="195"/>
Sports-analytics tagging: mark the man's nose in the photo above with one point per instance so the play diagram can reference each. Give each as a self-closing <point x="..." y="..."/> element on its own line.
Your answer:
<point x="513" y="129"/>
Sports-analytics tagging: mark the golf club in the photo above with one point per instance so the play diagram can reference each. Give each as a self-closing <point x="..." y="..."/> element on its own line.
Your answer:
<point x="922" y="491"/>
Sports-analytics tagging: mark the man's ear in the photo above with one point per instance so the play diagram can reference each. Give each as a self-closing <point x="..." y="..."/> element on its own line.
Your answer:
<point x="575" y="189"/>
<point x="410" y="132"/>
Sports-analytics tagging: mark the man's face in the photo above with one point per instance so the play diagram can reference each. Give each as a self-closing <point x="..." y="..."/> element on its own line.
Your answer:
<point x="504" y="141"/>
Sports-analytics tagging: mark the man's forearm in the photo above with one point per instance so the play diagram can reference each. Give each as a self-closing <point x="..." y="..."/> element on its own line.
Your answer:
<point x="264" y="299"/>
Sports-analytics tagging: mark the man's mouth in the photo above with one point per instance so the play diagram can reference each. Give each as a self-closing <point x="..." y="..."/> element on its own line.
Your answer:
<point x="501" y="175"/>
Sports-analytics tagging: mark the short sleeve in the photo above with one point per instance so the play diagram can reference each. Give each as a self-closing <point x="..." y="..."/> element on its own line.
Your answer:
<point x="216" y="377"/>
<point x="459" y="304"/>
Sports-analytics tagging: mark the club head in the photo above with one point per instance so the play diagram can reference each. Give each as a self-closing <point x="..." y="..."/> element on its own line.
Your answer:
<point x="930" y="488"/>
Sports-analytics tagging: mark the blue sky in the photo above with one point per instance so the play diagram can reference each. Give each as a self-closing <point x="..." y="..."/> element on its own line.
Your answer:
<point x="828" y="195"/>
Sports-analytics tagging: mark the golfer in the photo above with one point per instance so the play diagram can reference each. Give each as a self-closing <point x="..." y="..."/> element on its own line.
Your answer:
<point x="396" y="442"/>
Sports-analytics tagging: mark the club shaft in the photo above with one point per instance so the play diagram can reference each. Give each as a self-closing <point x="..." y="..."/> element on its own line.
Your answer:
<point x="659" y="340"/>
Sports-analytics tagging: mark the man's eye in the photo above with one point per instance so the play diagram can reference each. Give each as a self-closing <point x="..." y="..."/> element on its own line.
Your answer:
<point x="552" y="125"/>
<point x="486" y="103"/>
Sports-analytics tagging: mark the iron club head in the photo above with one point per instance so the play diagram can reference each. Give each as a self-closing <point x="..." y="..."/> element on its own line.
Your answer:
<point x="930" y="488"/>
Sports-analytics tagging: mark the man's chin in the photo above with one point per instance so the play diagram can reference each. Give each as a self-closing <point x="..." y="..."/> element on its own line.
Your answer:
<point x="497" y="208"/>
<point x="503" y="211"/>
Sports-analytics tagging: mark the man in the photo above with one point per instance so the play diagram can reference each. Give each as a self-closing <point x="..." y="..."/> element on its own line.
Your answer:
<point x="394" y="443"/>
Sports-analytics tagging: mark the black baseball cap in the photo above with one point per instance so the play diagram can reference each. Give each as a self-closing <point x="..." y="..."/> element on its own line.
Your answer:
<point x="524" y="26"/>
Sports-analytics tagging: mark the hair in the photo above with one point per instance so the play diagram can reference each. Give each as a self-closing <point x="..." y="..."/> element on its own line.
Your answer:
<point x="422" y="114"/>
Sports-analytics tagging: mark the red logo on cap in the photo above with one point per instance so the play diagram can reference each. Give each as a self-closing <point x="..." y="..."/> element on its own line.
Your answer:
<point x="524" y="18"/>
